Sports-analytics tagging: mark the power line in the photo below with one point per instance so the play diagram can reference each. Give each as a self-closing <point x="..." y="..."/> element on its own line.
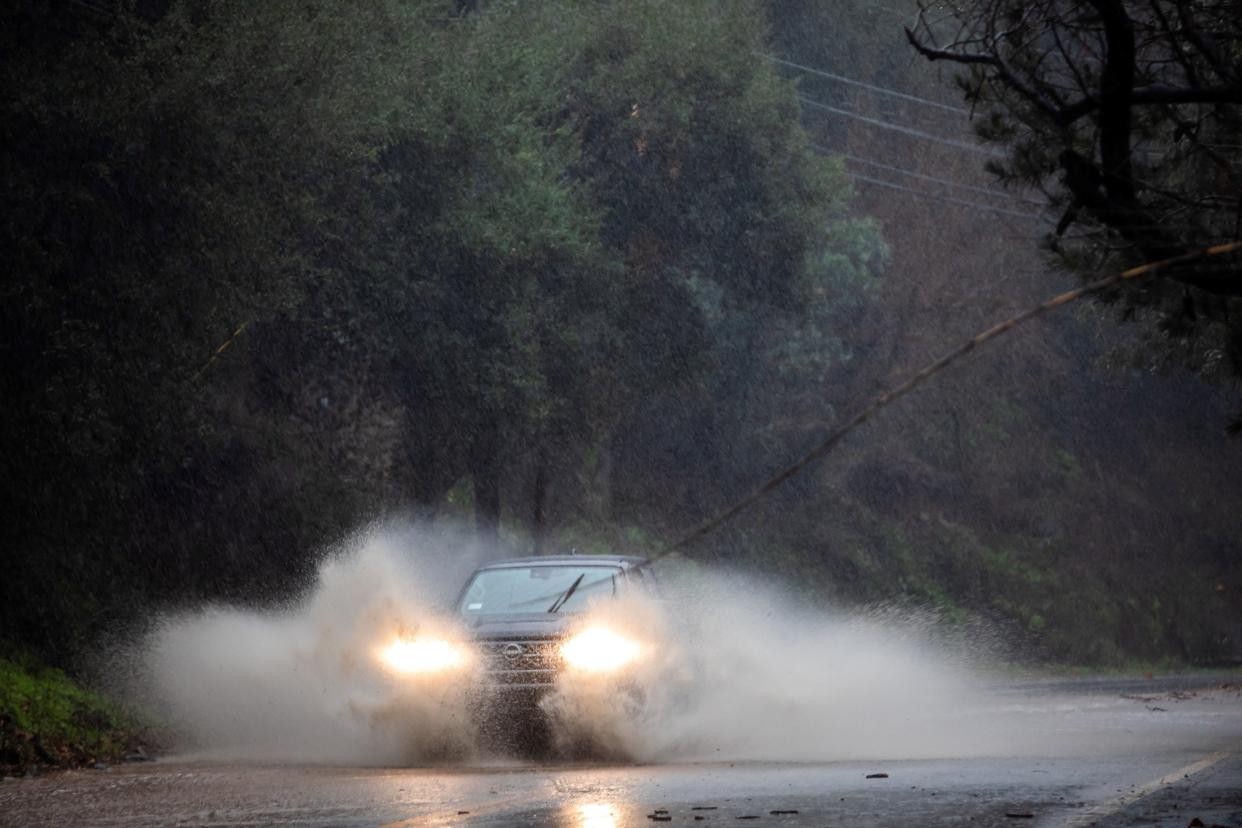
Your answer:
<point x="897" y="392"/>
<point x="912" y="174"/>
<point x="934" y="196"/>
<point x="880" y="89"/>
<point x="916" y="133"/>
<point x="948" y="199"/>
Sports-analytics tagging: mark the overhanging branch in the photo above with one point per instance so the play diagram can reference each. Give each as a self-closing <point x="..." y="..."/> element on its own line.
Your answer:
<point x="1063" y="116"/>
<point x="1003" y="72"/>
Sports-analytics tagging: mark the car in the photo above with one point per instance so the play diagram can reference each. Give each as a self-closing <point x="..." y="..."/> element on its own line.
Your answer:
<point x="523" y="616"/>
<point x="520" y="611"/>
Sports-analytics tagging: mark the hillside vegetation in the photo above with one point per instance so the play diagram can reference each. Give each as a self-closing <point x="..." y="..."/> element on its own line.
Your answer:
<point x="580" y="272"/>
<point x="47" y="719"/>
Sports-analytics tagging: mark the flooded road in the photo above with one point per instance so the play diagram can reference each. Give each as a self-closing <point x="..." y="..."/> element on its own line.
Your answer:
<point x="1160" y="753"/>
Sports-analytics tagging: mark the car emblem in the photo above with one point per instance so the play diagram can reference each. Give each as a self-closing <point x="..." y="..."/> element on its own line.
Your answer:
<point x="512" y="650"/>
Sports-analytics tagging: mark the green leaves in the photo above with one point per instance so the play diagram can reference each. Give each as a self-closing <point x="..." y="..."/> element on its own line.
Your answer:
<point x="455" y="243"/>
<point x="46" y="719"/>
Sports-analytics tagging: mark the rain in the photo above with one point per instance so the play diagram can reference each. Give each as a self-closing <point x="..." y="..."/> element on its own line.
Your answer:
<point x="599" y="413"/>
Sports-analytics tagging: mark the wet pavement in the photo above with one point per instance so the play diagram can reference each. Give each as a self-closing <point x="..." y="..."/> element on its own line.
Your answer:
<point x="1143" y="755"/>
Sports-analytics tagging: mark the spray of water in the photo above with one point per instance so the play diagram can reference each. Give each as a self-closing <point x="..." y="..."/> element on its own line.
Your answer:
<point x="726" y="668"/>
<point x="309" y="682"/>
<point x="734" y="669"/>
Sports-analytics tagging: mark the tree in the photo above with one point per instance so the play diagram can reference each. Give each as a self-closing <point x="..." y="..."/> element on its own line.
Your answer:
<point x="1128" y="115"/>
<point x="277" y="273"/>
<point x="737" y="244"/>
<point x="163" y="192"/>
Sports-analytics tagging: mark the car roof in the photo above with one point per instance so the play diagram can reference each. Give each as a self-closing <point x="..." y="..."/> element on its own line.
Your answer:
<point x="621" y="561"/>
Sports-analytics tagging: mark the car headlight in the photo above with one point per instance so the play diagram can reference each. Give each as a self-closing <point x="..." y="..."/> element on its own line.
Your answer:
<point x="421" y="655"/>
<point x="599" y="650"/>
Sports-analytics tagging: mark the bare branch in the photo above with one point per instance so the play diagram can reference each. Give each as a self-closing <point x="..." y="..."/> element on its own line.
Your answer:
<point x="1200" y="41"/>
<point x="1002" y="71"/>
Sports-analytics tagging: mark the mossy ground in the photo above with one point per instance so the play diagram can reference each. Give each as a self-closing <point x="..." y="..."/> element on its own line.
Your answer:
<point x="46" y="719"/>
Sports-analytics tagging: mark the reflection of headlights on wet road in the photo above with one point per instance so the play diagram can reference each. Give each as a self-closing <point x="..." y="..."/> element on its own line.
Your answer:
<point x="599" y="650"/>
<point x="421" y="655"/>
<point x="595" y="815"/>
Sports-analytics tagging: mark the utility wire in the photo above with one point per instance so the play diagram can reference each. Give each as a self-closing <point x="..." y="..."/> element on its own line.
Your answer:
<point x="879" y="89"/>
<point x="949" y="182"/>
<point x="905" y="130"/>
<point x="838" y="434"/>
<point x="1022" y="214"/>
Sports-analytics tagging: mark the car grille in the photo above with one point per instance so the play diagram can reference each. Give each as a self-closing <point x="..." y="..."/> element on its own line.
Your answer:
<point x="521" y="661"/>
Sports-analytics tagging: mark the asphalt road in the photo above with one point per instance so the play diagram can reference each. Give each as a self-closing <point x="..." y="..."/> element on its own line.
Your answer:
<point x="1116" y="753"/>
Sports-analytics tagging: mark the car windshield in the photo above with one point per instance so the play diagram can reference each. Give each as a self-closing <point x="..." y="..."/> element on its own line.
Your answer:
<point x="517" y="589"/>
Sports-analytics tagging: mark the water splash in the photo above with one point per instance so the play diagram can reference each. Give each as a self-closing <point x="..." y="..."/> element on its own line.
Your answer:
<point x="737" y="670"/>
<point x="308" y="683"/>
<point x="728" y="668"/>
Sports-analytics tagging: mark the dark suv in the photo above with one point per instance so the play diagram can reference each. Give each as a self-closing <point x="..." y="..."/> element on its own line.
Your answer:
<point x="520" y="612"/>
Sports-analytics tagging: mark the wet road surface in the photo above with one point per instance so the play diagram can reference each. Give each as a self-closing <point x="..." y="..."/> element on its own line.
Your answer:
<point x="1135" y="753"/>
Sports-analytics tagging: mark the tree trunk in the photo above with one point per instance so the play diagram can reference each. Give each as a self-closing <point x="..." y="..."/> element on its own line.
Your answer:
<point x="485" y="471"/>
<point x="487" y="504"/>
<point x="539" y="513"/>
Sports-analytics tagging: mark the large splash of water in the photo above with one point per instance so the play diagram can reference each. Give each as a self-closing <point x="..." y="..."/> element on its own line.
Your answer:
<point x="736" y="669"/>
<point x="728" y="669"/>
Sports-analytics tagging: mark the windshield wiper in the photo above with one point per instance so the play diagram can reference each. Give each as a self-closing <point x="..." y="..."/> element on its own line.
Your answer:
<point x="560" y="602"/>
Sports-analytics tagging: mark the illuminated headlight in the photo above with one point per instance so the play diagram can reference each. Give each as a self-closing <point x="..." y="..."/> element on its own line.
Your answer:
<point x="421" y="655"/>
<point x="599" y="650"/>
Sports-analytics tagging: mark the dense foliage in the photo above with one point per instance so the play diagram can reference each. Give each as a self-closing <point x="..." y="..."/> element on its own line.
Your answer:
<point x="569" y="269"/>
<point x="274" y="274"/>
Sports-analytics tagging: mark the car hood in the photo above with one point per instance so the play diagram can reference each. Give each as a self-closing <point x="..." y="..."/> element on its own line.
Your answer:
<point x="524" y="625"/>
